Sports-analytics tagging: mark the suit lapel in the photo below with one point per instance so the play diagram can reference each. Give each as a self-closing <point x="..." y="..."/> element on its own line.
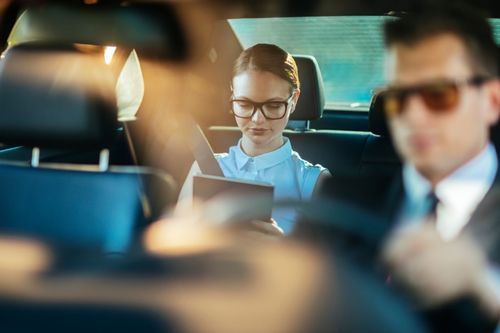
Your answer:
<point x="484" y="223"/>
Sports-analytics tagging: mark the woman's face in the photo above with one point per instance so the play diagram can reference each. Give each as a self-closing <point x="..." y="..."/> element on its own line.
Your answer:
<point x="260" y="86"/>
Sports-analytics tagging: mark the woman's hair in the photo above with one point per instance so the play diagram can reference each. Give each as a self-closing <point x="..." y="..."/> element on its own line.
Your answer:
<point x="268" y="58"/>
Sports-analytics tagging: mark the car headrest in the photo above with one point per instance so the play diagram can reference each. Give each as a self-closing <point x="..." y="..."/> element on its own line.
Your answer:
<point x="312" y="100"/>
<point x="55" y="97"/>
<point x="376" y="117"/>
<point x="152" y="29"/>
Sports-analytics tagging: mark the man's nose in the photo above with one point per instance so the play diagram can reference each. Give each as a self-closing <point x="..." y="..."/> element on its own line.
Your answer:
<point x="415" y="110"/>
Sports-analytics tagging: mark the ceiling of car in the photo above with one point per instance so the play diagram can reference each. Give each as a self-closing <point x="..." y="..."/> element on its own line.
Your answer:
<point x="299" y="7"/>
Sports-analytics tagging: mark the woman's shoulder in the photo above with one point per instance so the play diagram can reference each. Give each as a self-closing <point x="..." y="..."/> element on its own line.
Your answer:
<point x="309" y="174"/>
<point x="221" y="156"/>
<point x="305" y="165"/>
<point x="231" y="153"/>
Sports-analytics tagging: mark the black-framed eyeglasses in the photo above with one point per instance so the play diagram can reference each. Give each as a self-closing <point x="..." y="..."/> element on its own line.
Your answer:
<point x="272" y="110"/>
<point x="439" y="96"/>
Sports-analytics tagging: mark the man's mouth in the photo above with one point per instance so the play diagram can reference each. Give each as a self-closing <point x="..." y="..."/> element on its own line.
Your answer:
<point x="420" y="141"/>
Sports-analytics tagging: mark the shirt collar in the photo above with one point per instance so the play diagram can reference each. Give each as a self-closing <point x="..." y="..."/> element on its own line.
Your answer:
<point x="262" y="161"/>
<point x="462" y="189"/>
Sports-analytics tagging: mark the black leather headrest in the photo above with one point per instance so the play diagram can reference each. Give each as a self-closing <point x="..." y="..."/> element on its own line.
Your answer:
<point x="376" y="117"/>
<point x="150" y="28"/>
<point x="312" y="100"/>
<point x="55" y="97"/>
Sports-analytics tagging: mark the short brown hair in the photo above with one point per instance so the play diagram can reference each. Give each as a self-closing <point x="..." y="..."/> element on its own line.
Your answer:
<point x="268" y="58"/>
<point x="466" y="23"/>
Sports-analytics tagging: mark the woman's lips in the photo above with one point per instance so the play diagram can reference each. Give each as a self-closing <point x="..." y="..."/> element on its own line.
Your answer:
<point x="257" y="130"/>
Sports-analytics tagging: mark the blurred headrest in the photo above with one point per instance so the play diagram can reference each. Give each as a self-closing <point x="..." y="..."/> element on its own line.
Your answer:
<point x="312" y="100"/>
<point x="56" y="97"/>
<point x="376" y="117"/>
<point x="151" y="28"/>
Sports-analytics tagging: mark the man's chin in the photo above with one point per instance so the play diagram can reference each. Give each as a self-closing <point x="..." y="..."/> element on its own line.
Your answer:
<point x="425" y="161"/>
<point x="431" y="168"/>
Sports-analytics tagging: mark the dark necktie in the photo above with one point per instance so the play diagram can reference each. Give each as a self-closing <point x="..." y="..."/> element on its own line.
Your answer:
<point x="433" y="201"/>
<point x="430" y="217"/>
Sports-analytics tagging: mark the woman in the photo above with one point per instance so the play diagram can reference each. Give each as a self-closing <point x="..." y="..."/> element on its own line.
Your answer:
<point x="265" y="90"/>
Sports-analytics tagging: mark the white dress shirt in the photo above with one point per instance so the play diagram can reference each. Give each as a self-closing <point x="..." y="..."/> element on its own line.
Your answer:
<point x="459" y="193"/>
<point x="292" y="177"/>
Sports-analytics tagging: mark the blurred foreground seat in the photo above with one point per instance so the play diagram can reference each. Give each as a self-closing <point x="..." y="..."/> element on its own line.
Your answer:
<point x="58" y="97"/>
<point x="61" y="317"/>
<point x="235" y="286"/>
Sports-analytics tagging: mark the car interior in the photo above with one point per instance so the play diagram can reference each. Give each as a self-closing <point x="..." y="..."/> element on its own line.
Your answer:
<point x="89" y="184"/>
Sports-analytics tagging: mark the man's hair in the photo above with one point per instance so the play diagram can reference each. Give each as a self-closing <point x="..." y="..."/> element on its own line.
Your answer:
<point x="466" y="23"/>
<point x="268" y="58"/>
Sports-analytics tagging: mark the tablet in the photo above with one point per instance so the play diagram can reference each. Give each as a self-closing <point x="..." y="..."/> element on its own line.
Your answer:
<point x="258" y="196"/>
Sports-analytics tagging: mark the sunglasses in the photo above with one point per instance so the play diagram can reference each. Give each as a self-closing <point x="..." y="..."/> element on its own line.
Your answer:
<point x="439" y="96"/>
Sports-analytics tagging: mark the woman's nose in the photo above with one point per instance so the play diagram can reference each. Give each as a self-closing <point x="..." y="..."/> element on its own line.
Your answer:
<point x="258" y="116"/>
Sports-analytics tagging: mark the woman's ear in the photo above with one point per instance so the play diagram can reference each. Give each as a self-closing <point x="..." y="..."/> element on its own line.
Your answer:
<point x="295" y="99"/>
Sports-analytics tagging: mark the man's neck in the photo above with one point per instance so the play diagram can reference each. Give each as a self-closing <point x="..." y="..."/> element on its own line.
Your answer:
<point x="437" y="176"/>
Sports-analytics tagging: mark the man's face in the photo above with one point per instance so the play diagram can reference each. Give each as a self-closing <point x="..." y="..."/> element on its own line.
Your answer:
<point x="437" y="142"/>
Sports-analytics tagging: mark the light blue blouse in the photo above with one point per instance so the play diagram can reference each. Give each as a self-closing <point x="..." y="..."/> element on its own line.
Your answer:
<point x="291" y="176"/>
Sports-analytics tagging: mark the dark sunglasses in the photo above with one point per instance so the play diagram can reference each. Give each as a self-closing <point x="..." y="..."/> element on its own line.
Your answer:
<point x="439" y="96"/>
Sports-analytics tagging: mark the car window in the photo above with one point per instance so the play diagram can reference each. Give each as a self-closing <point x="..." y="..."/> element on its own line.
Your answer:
<point x="349" y="51"/>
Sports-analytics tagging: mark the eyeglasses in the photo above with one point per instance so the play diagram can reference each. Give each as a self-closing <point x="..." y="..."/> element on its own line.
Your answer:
<point x="272" y="110"/>
<point x="440" y="96"/>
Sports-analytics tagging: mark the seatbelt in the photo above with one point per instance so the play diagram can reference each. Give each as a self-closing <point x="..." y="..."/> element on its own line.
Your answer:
<point x="202" y="151"/>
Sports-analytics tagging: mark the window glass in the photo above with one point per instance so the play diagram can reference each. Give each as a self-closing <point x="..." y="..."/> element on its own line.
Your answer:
<point x="349" y="50"/>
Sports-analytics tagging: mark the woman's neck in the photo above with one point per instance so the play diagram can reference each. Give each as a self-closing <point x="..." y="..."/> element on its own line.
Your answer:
<point x="252" y="149"/>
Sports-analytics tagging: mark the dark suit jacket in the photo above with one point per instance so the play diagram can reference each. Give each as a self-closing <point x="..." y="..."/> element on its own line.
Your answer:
<point x="484" y="224"/>
<point x="380" y="201"/>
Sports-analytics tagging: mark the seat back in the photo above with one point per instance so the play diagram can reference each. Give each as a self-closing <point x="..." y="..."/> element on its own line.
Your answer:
<point x="94" y="208"/>
<point x="74" y="208"/>
<point x="338" y="151"/>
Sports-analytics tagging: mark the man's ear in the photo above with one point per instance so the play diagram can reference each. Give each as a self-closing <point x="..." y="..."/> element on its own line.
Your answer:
<point x="493" y="90"/>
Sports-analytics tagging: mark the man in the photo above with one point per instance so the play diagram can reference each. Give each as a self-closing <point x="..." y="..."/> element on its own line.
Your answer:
<point x="442" y="98"/>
